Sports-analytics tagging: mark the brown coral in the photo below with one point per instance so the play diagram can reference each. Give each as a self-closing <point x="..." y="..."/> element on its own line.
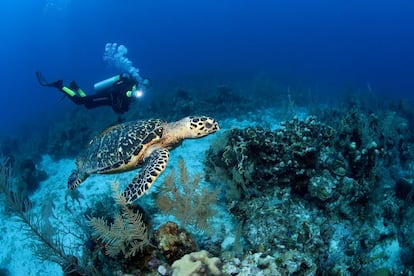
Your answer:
<point x="172" y="242"/>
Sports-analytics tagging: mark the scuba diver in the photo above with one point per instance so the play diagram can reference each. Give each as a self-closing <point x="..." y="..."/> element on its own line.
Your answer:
<point x="116" y="91"/>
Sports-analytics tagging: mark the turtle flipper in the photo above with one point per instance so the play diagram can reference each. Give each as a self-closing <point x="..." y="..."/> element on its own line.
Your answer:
<point x="76" y="178"/>
<point x="143" y="180"/>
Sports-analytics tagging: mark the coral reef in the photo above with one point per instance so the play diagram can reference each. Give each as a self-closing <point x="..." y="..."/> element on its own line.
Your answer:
<point x="359" y="132"/>
<point x="290" y="263"/>
<point x="331" y="182"/>
<point x="258" y="158"/>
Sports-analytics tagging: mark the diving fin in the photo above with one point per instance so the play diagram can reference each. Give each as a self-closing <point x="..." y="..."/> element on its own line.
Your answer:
<point x="57" y="84"/>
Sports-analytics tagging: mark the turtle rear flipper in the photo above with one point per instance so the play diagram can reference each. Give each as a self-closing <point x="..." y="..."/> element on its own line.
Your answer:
<point x="142" y="182"/>
<point x="76" y="178"/>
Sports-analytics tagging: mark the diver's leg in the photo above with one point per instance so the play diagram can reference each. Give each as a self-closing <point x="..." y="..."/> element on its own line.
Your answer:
<point x="75" y="87"/>
<point x="96" y="100"/>
<point x="56" y="84"/>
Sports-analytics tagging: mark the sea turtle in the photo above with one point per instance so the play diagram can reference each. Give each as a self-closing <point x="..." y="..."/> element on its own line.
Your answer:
<point x="130" y="145"/>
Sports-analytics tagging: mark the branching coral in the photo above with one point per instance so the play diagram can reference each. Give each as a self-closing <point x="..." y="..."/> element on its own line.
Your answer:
<point x="48" y="240"/>
<point x="187" y="200"/>
<point x="127" y="234"/>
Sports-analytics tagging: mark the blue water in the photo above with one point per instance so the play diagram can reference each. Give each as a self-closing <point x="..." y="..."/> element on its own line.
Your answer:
<point x="333" y="45"/>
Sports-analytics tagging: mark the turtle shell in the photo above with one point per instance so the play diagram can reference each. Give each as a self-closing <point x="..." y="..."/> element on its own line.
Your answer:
<point x="120" y="147"/>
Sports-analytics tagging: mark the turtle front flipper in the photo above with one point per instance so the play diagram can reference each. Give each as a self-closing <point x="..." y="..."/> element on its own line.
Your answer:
<point x="143" y="180"/>
<point x="76" y="178"/>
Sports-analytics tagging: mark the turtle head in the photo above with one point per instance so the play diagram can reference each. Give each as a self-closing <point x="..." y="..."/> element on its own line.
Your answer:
<point x="198" y="126"/>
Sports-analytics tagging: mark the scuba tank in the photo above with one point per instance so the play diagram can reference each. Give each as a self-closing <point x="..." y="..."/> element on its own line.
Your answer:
<point x="102" y="85"/>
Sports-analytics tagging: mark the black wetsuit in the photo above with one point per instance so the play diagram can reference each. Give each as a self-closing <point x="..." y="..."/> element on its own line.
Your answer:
<point x="114" y="95"/>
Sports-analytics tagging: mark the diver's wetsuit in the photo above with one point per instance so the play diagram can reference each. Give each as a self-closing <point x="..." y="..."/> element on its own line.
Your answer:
<point x="115" y="95"/>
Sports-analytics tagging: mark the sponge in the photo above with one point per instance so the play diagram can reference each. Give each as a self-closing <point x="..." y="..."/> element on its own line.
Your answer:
<point x="197" y="264"/>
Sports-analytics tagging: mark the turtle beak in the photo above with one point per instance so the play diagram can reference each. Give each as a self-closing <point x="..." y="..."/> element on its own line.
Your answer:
<point x="212" y="126"/>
